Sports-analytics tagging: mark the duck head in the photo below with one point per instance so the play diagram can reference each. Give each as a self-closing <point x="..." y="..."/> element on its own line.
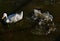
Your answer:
<point x="4" y="15"/>
<point x="6" y="18"/>
<point x="37" y="12"/>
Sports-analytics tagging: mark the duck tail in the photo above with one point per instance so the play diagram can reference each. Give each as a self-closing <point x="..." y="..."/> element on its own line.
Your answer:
<point x="21" y="14"/>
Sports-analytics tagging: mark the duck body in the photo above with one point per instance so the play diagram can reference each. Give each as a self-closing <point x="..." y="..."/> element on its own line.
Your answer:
<point x="44" y="23"/>
<point x="14" y="17"/>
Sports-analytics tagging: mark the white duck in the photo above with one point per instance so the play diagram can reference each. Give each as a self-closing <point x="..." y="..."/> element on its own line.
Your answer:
<point x="46" y="16"/>
<point x="13" y="17"/>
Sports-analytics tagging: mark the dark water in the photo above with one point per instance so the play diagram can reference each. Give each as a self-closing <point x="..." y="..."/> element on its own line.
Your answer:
<point x="20" y="31"/>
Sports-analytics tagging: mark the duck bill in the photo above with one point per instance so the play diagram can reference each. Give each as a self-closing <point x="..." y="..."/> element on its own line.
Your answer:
<point x="2" y="17"/>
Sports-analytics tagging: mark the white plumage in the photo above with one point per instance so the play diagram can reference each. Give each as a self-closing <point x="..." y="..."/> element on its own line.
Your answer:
<point x="47" y="16"/>
<point x="13" y="17"/>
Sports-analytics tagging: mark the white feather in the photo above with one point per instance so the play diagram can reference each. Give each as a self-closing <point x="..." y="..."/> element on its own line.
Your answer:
<point x="13" y="17"/>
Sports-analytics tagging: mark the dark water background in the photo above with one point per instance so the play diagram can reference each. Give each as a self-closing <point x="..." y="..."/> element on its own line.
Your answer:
<point x="20" y="31"/>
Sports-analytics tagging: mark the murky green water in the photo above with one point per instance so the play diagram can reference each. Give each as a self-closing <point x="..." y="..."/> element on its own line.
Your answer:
<point x="20" y="31"/>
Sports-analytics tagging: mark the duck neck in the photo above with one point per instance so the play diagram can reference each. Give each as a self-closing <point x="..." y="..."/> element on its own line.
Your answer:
<point x="6" y="17"/>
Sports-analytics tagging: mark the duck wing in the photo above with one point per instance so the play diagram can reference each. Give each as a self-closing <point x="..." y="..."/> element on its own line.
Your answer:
<point x="11" y="16"/>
